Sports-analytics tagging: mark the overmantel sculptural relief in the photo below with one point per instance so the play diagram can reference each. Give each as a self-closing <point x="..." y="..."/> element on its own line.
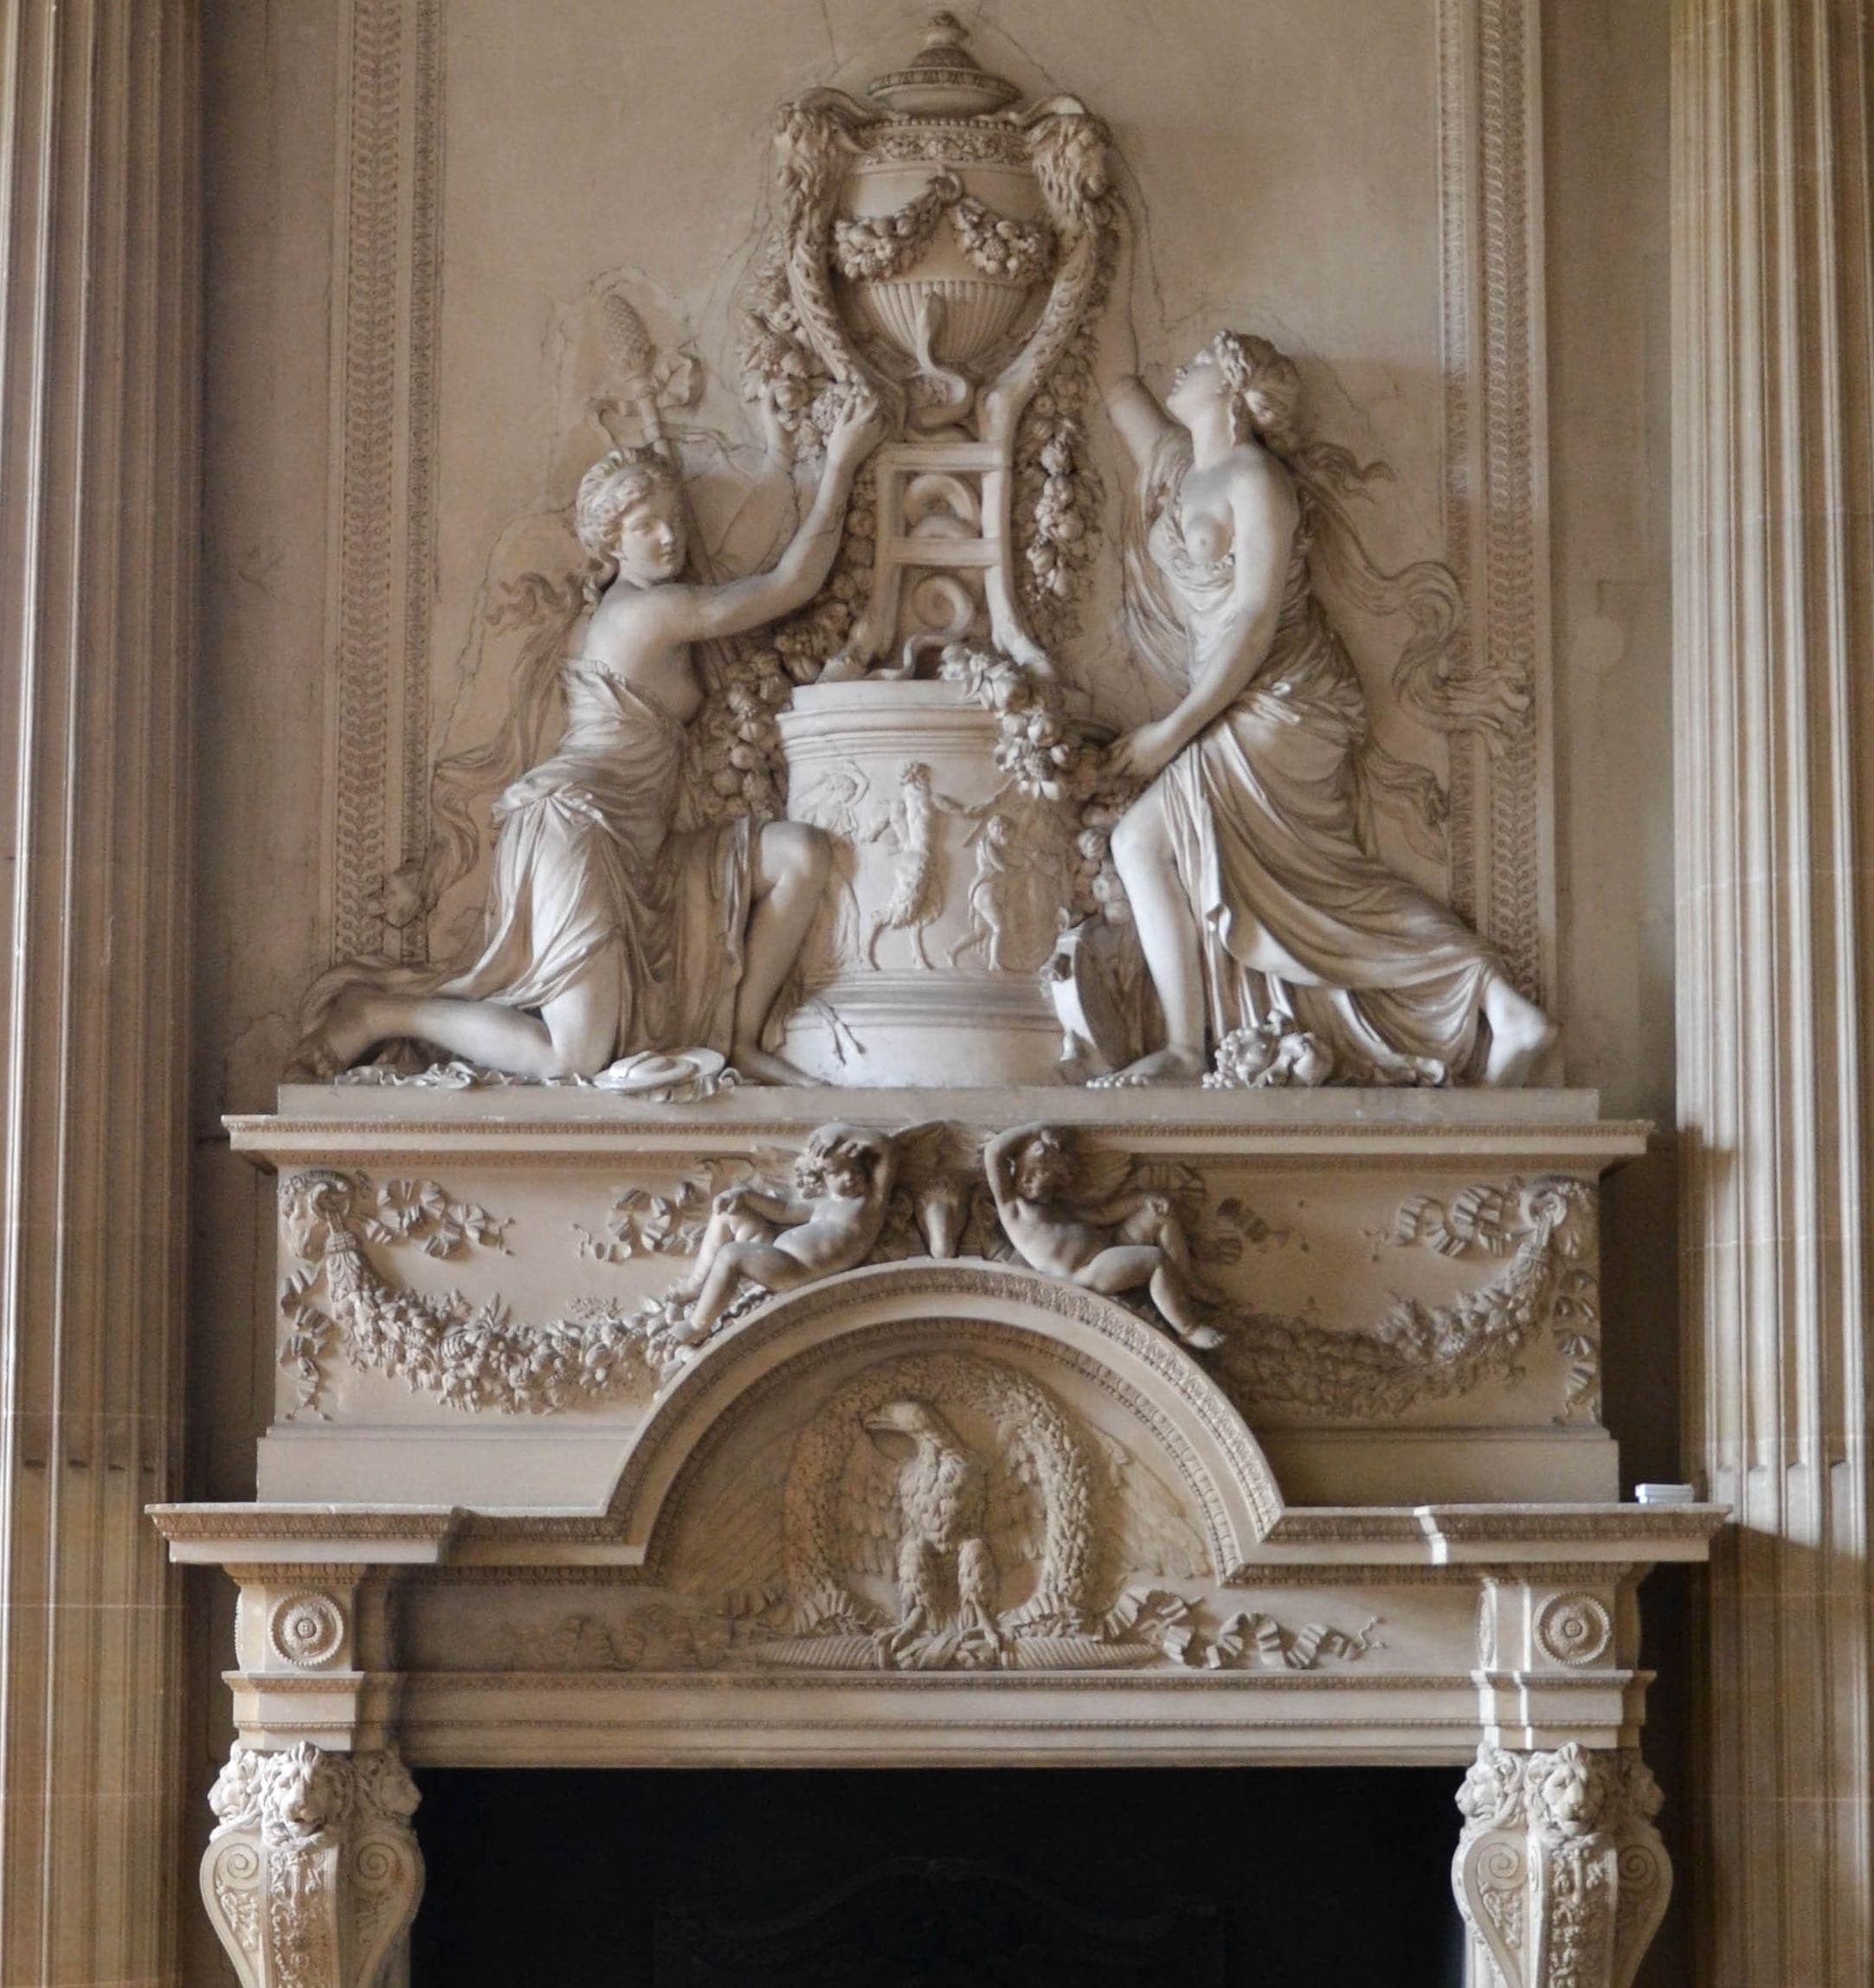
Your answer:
<point x="906" y="796"/>
<point x="763" y="1423"/>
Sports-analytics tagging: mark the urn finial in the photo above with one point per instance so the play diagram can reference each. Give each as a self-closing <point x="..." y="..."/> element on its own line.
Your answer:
<point x="943" y="80"/>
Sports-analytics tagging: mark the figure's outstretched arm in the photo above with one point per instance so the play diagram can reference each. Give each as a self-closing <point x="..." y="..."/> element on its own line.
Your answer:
<point x="781" y="1208"/>
<point x="1136" y="417"/>
<point x="800" y="572"/>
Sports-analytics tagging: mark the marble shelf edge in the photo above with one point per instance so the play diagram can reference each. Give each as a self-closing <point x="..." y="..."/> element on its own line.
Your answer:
<point x="392" y="1536"/>
<point x="1285" y="1129"/>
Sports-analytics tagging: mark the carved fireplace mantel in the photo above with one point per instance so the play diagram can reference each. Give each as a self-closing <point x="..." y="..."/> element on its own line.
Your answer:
<point x="941" y="1509"/>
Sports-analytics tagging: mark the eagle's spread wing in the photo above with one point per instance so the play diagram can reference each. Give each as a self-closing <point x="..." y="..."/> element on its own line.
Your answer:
<point x="1017" y="1507"/>
<point x="732" y="1547"/>
<point x="870" y="1516"/>
<point x="1147" y="1531"/>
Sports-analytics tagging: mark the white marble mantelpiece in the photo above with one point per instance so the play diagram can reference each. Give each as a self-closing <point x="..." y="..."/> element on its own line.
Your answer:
<point x="1330" y="1121"/>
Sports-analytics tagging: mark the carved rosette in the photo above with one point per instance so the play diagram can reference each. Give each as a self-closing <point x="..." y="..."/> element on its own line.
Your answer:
<point x="306" y="1630"/>
<point x="312" y="1871"/>
<point x="1559" y="1872"/>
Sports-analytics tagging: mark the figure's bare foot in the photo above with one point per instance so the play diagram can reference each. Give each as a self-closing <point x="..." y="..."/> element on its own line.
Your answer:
<point x="690" y="1331"/>
<point x="754" y="1066"/>
<point x="1203" y="1338"/>
<point x="1521" y="1035"/>
<point x="1168" y="1066"/>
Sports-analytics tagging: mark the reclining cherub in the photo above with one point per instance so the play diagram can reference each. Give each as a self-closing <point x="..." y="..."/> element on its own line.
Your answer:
<point x="1113" y="1245"/>
<point x="843" y="1190"/>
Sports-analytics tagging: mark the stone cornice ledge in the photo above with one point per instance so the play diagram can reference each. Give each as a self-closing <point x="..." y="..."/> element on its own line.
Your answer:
<point x="326" y="1123"/>
<point x="1378" y="1537"/>
<point x="1456" y="1535"/>
<point x="312" y="1535"/>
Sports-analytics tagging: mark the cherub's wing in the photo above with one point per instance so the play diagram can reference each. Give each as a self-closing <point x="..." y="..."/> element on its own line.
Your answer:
<point x="937" y="1164"/>
<point x="1017" y="1515"/>
<point x="981" y="1234"/>
<point x="1147" y="1531"/>
<point x="1180" y="1182"/>
<point x="871" y="1518"/>
<point x="1101" y="1172"/>
<point x="1216" y="1232"/>
<point x="732" y="1547"/>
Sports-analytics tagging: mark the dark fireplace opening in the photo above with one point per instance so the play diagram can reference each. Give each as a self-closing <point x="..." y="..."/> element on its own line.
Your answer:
<point x="961" y="1878"/>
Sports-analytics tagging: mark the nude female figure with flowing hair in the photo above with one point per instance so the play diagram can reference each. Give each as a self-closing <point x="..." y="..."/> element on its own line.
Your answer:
<point x="608" y="932"/>
<point x="1247" y="860"/>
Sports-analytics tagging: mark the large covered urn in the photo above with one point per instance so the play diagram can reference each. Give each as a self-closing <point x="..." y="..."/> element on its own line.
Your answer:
<point x="943" y="244"/>
<point x="942" y="239"/>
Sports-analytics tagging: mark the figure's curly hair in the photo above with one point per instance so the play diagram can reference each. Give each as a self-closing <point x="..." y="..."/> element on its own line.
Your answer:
<point x="1265" y="385"/>
<point x="619" y="479"/>
<point x="1055" y="1143"/>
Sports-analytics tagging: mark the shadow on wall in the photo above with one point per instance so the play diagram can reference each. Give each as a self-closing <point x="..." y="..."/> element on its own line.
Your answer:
<point x="1640" y="1327"/>
<point x="1120" y="1878"/>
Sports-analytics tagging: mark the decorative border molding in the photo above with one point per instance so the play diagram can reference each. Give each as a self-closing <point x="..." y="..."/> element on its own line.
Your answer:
<point x="386" y="326"/>
<point x="1496" y="494"/>
<point x="386" y="320"/>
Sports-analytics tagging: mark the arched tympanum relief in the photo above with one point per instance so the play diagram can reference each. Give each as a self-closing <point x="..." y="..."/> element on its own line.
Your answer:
<point x="936" y="1465"/>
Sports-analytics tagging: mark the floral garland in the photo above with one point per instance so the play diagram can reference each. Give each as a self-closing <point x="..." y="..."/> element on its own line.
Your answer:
<point x="876" y="246"/>
<point x="880" y="245"/>
<point x="1050" y="756"/>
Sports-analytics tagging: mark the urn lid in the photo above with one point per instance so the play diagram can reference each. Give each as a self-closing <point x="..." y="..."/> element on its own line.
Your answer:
<point x="943" y="80"/>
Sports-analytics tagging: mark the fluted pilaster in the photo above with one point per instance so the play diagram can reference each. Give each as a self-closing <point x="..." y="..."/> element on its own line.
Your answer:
<point x="97" y="358"/>
<point x="1775" y="642"/>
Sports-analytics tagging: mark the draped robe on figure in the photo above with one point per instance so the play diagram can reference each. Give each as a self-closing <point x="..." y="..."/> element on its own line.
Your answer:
<point x="1298" y="918"/>
<point x="589" y="873"/>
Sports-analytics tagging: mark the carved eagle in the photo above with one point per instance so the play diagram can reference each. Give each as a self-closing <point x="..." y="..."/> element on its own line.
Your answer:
<point x="879" y="1484"/>
<point x="946" y="1572"/>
